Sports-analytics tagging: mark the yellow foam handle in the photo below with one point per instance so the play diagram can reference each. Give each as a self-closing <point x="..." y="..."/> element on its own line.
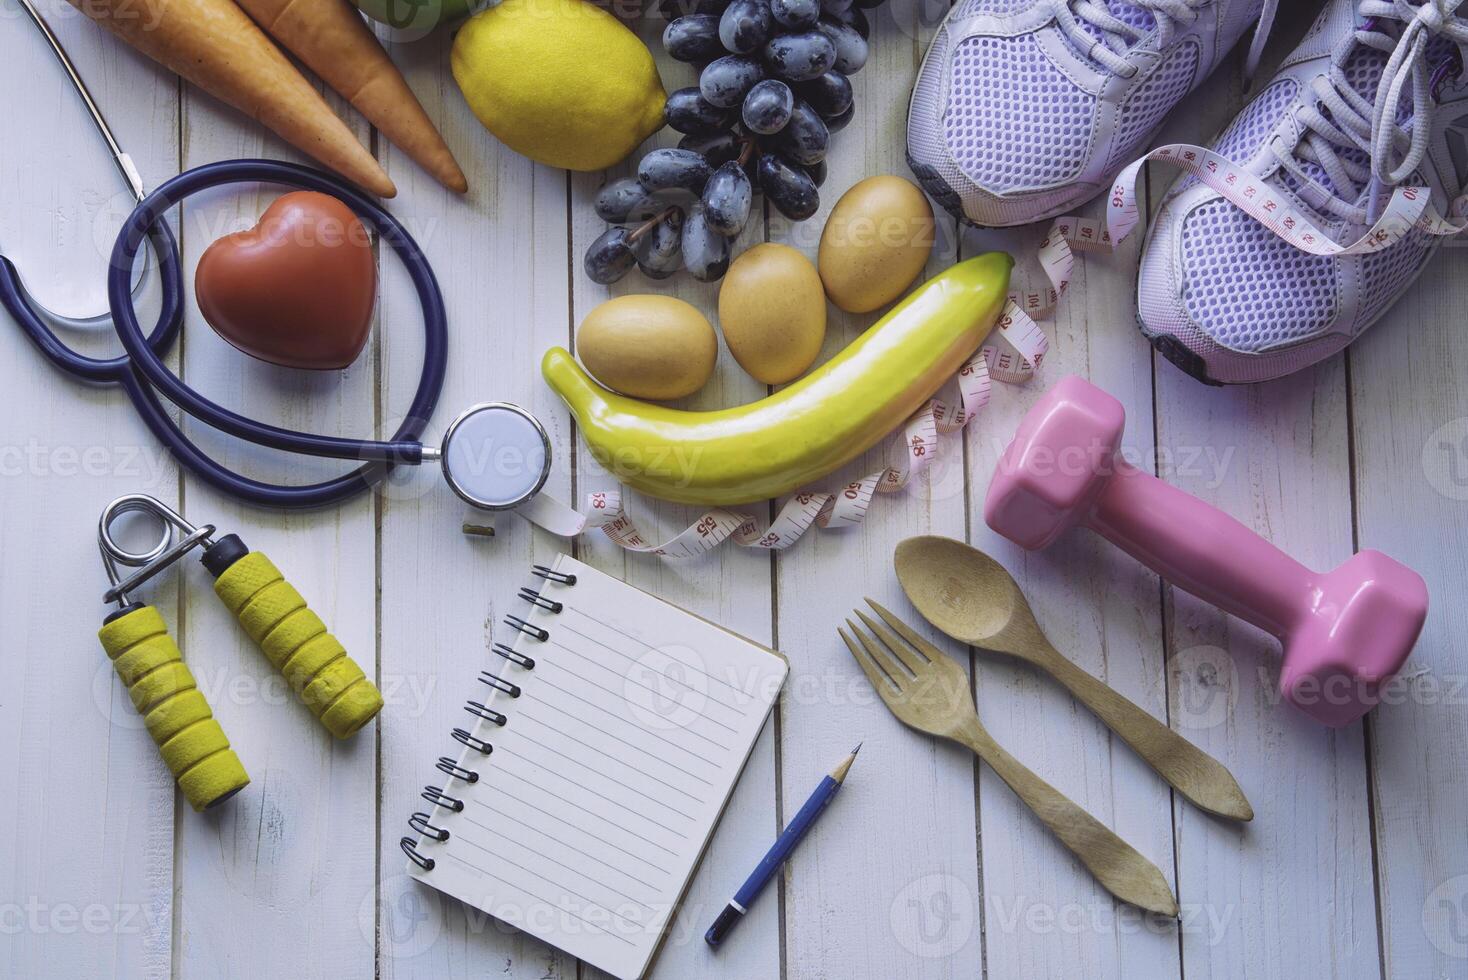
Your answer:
<point x="175" y="713"/>
<point x="295" y="640"/>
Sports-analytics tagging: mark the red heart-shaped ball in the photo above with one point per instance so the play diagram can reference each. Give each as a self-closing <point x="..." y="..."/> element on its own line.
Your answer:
<point x="297" y="289"/>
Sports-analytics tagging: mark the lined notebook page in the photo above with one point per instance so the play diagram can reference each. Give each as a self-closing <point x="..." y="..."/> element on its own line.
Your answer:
<point x="609" y="774"/>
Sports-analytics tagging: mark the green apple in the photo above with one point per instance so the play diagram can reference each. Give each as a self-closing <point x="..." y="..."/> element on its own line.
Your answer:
<point x="415" y="18"/>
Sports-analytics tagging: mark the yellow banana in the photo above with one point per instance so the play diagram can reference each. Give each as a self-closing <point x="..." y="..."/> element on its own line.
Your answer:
<point x="806" y="430"/>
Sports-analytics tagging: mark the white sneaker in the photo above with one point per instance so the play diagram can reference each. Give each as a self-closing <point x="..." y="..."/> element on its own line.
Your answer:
<point x="1024" y="109"/>
<point x="1229" y="300"/>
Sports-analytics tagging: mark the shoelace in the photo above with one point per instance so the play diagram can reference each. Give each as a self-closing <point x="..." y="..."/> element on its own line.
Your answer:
<point x="1117" y="36"/>
<point x="1363" y="145"/>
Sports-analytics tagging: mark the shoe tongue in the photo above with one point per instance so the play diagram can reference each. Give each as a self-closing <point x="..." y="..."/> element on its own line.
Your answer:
<point x="1126" y="12"/>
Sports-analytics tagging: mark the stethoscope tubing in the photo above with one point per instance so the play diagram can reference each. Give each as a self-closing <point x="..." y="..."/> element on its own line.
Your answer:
<point x="18" y="301"/>
<point x="143" y="376"/>
<point x="403" y="447"/>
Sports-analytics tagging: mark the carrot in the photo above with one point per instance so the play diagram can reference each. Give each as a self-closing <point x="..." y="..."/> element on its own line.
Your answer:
<point x="334" y="41"/>
<point x="214" y="45"/>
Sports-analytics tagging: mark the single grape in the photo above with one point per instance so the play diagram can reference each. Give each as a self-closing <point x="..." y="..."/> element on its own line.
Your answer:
<point x="796" y="15"/>
<point x="829" y="94"/>
<point x="745" y="26"/>
<point x="767" y="107"/>
<point x="725" y="82"/>
<point x="717" y="149"/>
<point x="817" y="173"/>
<point x="610" y="257"/>
<point x="789" y="188"/>
<point x="705" y="251"/>
<point x="666" y="169"/>
<point x="854" y="17"/>
<point x="805" y="139"/>
<point x="797" y="57"/>
<point x="693" y="38"/>
<point x="687" y="112"/>
<point x="851" y="47"/>
<point x="838" y="123"/>
<point x="616" y="201"/>
<point x="659" y="248"/>
<point x="727" y="198"/>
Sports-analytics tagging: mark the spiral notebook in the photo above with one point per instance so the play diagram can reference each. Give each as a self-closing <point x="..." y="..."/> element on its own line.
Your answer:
<point x="600" y="748"/>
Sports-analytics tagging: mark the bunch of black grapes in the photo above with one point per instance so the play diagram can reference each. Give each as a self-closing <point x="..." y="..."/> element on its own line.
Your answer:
<point x="772" y="88"/>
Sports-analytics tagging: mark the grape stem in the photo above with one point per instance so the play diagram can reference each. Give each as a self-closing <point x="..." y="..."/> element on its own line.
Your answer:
<point x="650" y="223"/>
<point x="749" y="145"/>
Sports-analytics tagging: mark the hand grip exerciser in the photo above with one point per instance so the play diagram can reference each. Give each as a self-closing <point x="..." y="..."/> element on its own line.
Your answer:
<point x="1345" y="632"/>
<point x="274" y="615"/>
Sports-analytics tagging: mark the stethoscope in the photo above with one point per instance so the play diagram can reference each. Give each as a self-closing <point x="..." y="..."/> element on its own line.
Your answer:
<point x="495" y="455"/>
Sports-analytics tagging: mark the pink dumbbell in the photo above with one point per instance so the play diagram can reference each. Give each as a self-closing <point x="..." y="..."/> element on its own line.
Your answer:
<point x="1344" y="632"/>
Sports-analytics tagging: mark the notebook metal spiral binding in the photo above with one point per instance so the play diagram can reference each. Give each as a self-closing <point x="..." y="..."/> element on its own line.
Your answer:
<point x="426" y="863"/>
<point x="514" y="656"/>
<point x="499" y="684"/>
<point x="478" y="744"/>
<point x="453" y="770"/>
<point x="536" y="599"/>
<point x="438" y="797"/>
<point x="434" y="794"/>
<point x="515" y="622"/>
<point x="551" y="575"/>
<point x="479" y="710"/>
<point x="419" y="822"/>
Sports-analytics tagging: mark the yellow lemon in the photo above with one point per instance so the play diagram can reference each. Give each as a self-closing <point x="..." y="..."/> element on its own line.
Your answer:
<point x="561" y="81"/>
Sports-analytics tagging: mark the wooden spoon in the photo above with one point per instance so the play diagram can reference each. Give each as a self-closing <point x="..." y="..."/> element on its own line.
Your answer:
<point x="971" y="597"/>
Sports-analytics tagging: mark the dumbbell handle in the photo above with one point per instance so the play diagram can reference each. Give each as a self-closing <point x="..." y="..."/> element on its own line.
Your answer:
<point x="1200" y="549"/>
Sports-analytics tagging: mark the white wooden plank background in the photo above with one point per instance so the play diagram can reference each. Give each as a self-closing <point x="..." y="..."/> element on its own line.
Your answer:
<point x="1355" y="866"/>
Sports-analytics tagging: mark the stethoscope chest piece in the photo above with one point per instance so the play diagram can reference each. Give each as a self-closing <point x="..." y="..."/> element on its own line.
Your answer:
<point x="496" y="456"/>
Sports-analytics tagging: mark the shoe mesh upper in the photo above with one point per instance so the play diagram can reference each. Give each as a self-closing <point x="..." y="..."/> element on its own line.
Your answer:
<point x="1244" y="135"/>
<point x="1013" y="122"/>
<point x="1248" y="288"/>
<point x="1152" y="100"/>
<point x="1386" y="275"/>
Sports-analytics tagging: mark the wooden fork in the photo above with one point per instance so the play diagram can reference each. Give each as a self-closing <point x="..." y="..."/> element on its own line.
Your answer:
<point x="928" y="692"/>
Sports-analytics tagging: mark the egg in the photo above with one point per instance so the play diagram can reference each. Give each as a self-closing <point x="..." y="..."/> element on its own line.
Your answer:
<point x="875" y="243"/>
<point x="654" y="347"/>
<point x="772" y="310"/>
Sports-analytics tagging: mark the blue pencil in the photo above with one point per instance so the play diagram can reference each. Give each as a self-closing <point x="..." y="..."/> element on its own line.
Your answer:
<point x="789" y="838"/>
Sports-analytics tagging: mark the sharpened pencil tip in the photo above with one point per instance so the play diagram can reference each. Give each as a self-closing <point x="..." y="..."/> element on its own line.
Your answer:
<point x="857" y="749"/>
